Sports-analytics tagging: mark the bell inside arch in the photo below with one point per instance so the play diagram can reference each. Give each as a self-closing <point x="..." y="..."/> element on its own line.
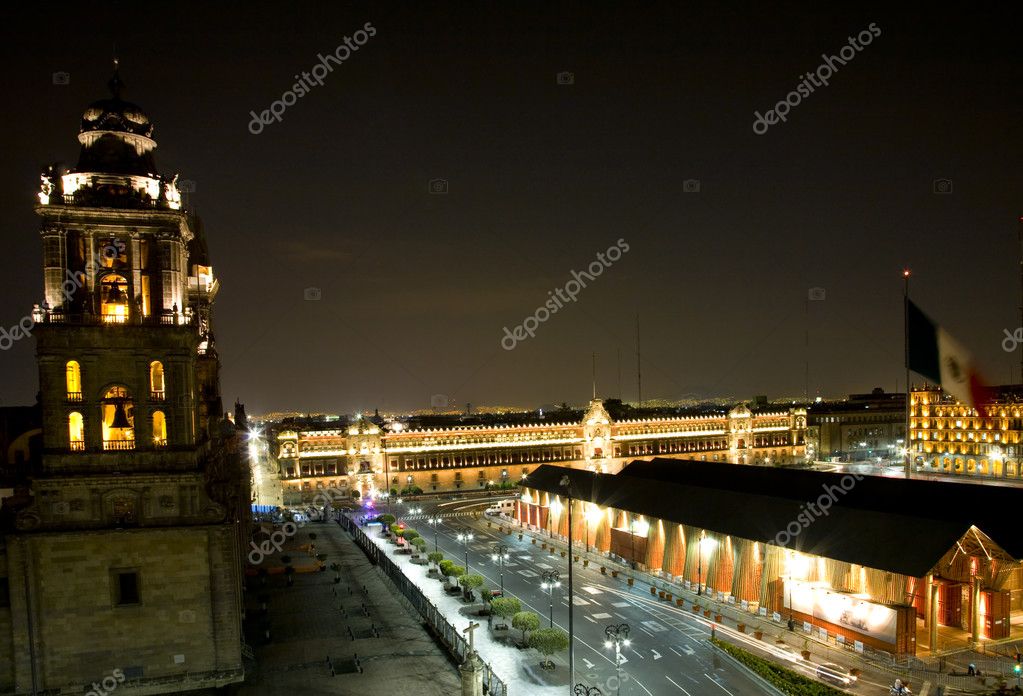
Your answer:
<point x="120" y="417"/>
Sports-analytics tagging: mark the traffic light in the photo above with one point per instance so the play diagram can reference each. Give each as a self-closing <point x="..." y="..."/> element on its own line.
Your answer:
<point x="1018" y="669"/>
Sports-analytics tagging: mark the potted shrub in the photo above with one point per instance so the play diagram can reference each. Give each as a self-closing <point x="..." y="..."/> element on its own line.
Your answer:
<point x="653" y="591"/>
<point x="435" y="557"/>
<point x="717" y="617"/>
<point x="520" y="536"/>
<point x="603" y="570"/>
<point x="805" y="652"/>
<point x="586" y="562"/>
<point x="336" y="567"/>
<point x="759" y="635"/>
<point x="741" y="628"/>
<point x="322" y="559"/>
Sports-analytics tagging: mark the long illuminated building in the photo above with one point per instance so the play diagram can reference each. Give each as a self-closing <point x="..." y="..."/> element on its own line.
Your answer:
<point x="868" y="563"/>
<point x="365" y="457"/>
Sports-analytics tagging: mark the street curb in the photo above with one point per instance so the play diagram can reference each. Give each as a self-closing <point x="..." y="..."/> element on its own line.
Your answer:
<point x="768" y="687"/>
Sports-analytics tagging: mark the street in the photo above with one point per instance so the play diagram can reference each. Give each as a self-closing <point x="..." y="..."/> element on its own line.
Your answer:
<point x="668" y="652"/>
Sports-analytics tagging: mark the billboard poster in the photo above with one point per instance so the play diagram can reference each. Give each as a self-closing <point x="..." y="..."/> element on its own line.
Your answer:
<point x="841" y="609"/>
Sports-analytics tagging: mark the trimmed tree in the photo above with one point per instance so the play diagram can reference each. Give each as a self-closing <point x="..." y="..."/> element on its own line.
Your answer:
<point x="506" y="607"/>
<point x="548" y="641"/>
<point x="435" y="557"/>
<point x="469" y="583"/>
<point x="419" y="543"/>
<point x="386" y="519"/>
<point x="444" y="565"/>
<point x="525" y="621"/>
<point x="410" y="534"/>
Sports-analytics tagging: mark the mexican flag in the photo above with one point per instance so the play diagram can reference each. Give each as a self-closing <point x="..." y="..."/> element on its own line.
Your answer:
<point x="932" y="353"/>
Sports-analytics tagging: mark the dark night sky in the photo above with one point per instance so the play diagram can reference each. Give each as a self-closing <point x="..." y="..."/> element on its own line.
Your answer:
<point x="416" y="288"/>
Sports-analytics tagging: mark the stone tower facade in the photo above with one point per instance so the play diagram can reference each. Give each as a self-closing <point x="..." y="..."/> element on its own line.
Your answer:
<point x="124" y="563"/>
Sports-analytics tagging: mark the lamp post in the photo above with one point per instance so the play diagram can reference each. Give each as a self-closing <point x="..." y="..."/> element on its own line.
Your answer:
<point x="465" y="538"/>
<point x="566" y="483"/>
<point x="433" y="522"/>
<point x="500" y="555"/>
<point x="617" y="635"/>
<point x="550" y="579"/>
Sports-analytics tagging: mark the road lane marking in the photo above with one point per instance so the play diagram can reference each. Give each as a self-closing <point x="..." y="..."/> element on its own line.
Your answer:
<point x="657" y="655"/>
<point x="677" y="684"/>
<point x="719" y="685"/>
<point x="602" y="616"/>
<point x="674" y="651"/>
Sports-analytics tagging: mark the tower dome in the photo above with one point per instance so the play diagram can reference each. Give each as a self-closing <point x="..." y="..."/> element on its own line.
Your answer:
<point x="116" y="136"/>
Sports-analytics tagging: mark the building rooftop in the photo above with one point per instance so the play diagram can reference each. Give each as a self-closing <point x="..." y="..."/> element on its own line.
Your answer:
<point x="898" y="525"/>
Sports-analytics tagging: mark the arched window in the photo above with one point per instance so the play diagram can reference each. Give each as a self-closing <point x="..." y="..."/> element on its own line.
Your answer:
<point x="118" y="412"/>
<point x="76" y="432"/>
<point x="114" y="299"/>
<point x="74" y="381"/>
<point x="159" y="429"/>
<point x="156" y="381"/>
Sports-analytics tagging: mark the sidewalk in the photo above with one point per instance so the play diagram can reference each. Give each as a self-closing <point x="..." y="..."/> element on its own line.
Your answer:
<point x="318" y="627"/>
<point x="518" y="668"/>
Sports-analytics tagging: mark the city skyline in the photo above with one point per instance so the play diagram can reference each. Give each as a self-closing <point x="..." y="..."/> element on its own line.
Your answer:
<point x="339" y="200"/>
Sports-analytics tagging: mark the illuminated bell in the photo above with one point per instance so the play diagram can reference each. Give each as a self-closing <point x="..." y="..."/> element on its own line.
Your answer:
<point x="120" y="417"/>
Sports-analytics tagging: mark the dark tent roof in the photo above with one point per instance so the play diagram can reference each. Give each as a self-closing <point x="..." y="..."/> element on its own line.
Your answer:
<point x="902" y="526"/>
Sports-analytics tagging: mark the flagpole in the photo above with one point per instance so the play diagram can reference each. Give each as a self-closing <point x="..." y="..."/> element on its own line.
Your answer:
<point x="905" y="332"/>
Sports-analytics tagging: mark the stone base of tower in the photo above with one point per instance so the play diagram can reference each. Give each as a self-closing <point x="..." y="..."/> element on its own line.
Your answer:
<point x="69" y="628"/>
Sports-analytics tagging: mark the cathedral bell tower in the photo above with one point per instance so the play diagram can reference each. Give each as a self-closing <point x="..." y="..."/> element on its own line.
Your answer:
<point x="128" y="556"/>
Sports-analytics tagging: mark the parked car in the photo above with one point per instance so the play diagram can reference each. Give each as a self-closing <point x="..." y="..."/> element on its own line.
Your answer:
<point x="835" y="674"/>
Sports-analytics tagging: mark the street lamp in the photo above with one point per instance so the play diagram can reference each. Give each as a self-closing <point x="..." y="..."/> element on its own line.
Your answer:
<point x="465" y="538"/>
<point x="550" y="579"/>
<point x="617" y="636"/>
<point x="500" y="554"/>
<point x="433" y="522"/>
<point x="566" y="483"/>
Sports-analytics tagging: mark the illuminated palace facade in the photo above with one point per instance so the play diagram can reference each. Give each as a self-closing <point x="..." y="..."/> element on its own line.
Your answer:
<point x="364" y="457"/>
<point x="952" y="438"/>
